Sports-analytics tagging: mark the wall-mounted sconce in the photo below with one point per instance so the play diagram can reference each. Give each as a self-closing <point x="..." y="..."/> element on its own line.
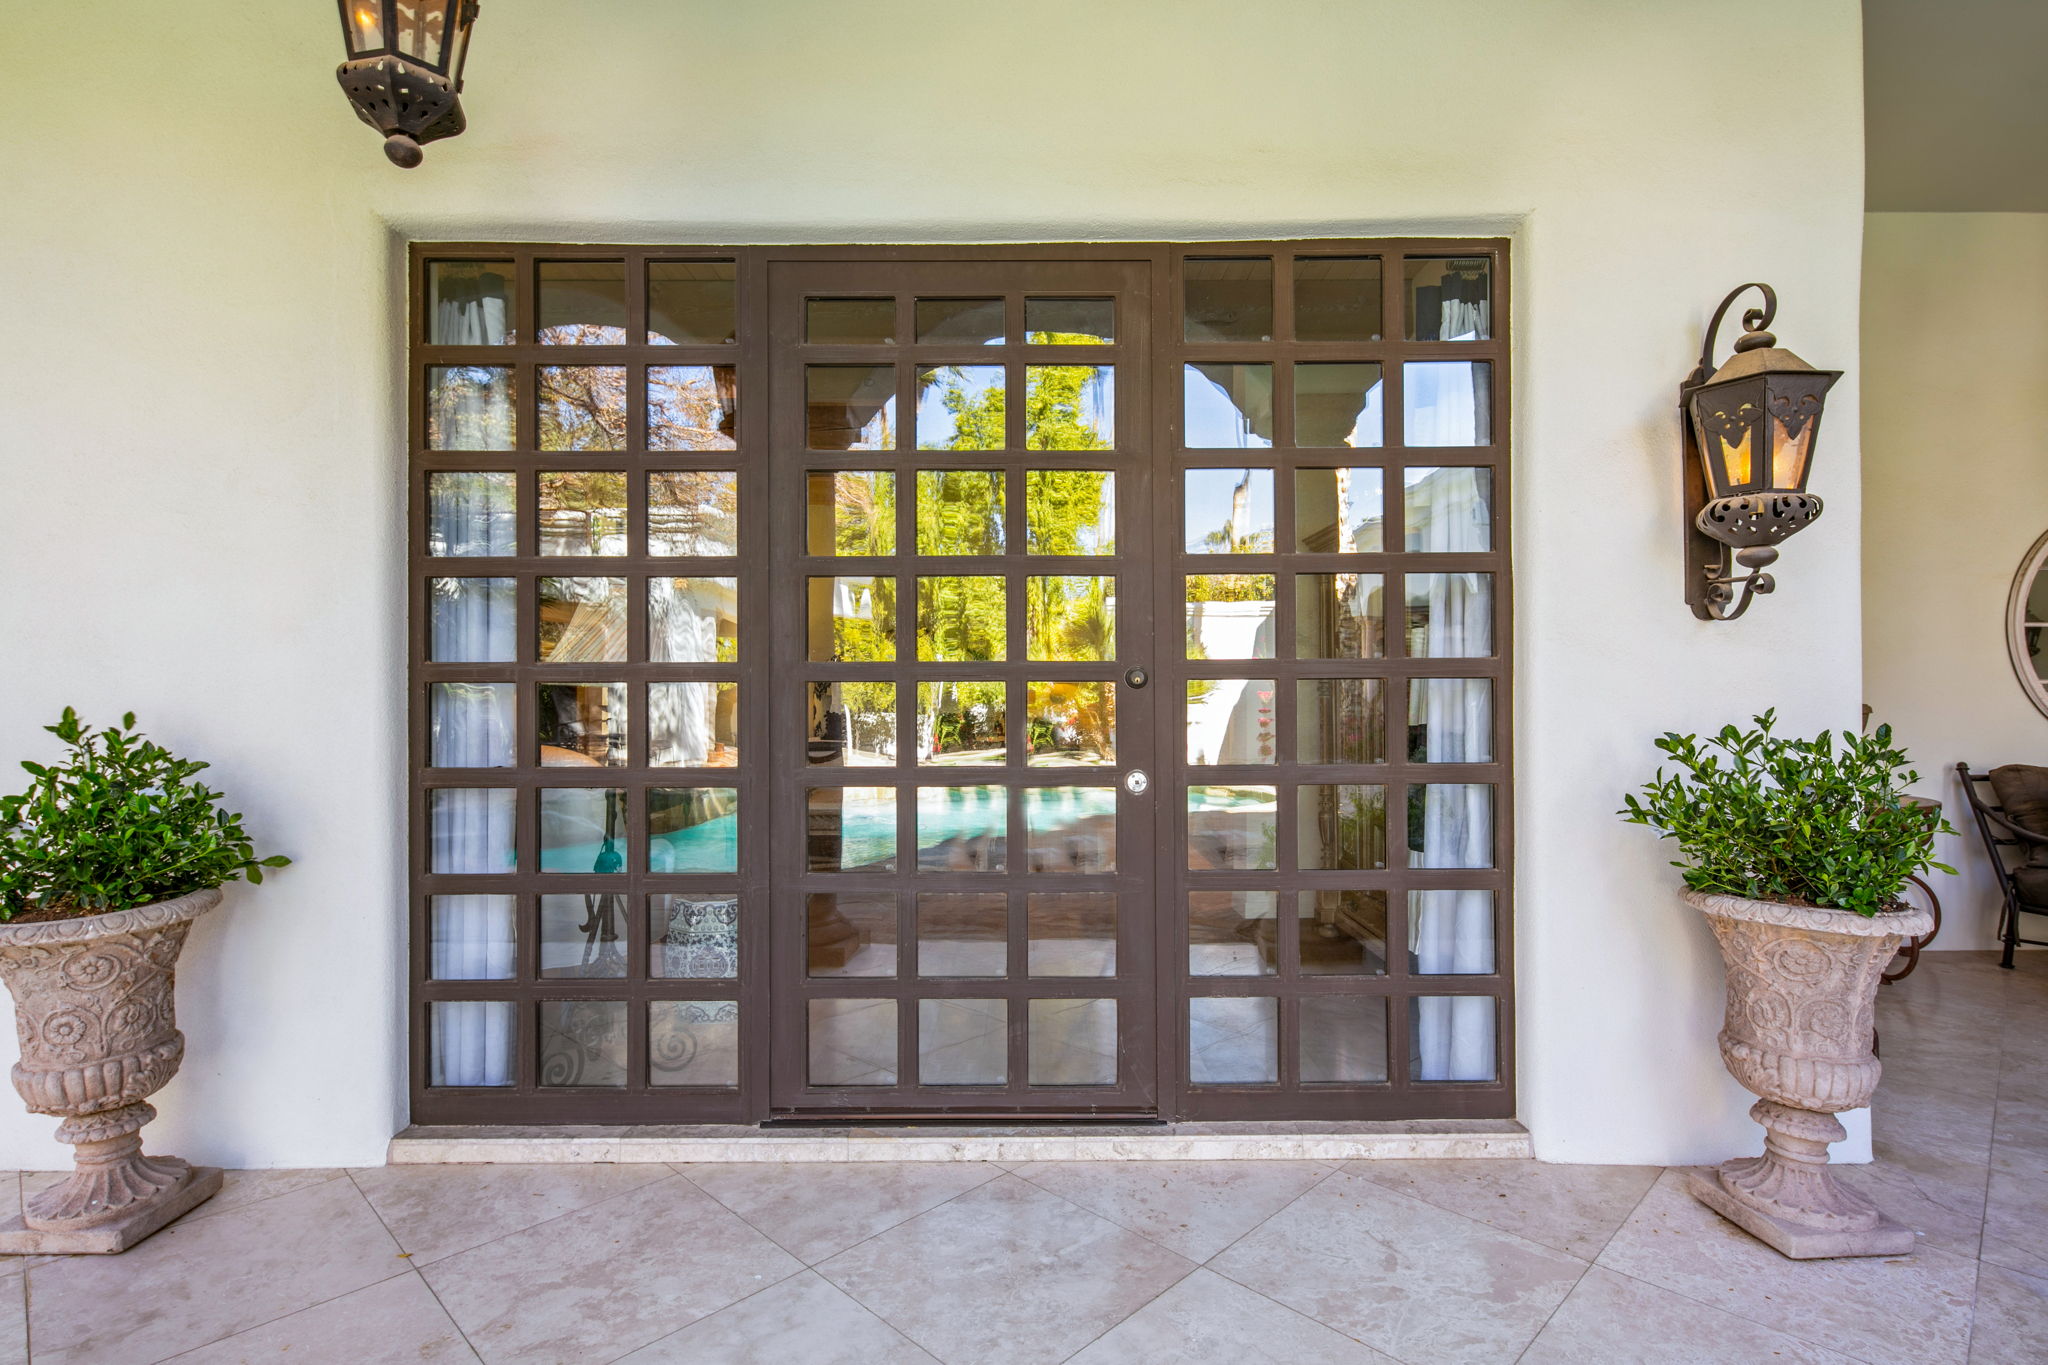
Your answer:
<point x="1750" y="435"/>
<point x="404" y="69"/>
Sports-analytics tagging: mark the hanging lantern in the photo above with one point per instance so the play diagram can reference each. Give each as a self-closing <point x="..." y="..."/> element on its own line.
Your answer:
<point x="404" y="69"/>
<point x="1751" y="430"/>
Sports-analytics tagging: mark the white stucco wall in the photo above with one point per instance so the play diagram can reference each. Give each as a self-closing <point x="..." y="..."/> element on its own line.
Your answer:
<point x="202" y="447"/>
<point x="1955" y="347"/>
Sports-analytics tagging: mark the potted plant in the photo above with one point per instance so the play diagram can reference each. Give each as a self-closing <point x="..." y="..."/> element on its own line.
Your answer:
<point x="105" y="861"/>
<point x="1796" y="851"/>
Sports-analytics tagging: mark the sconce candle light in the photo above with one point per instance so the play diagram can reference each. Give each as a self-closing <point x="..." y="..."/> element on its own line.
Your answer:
<point x="404" y="69"/>
<point x="1751" y="430"/>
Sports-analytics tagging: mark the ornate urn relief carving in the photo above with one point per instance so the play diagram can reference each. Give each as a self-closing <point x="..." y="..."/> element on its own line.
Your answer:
<point x="1802" y="990"/>
<point x="94" y="1011"/>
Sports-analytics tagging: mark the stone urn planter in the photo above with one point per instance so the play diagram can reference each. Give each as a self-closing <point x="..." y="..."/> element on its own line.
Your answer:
<point x="93" y="1007"/>
<point x="1802" y="989"/>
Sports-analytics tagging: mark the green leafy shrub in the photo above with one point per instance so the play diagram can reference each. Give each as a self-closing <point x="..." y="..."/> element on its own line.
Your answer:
<point x="1794" y="820"/>
<point x="118" y="823"/>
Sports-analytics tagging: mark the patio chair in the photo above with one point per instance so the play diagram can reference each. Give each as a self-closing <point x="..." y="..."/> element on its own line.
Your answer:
<point x="2018" y="819"/>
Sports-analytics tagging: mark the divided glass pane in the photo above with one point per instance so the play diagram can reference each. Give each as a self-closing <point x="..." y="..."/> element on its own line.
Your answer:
<point x="1339" y="511"/>
<point x="961" y="619"/>
<point x="471" y="303"/>
<point x="851" y="512"/>
<point x="852" y="724"/>
<point x="850" y="407"/>
<point x="1343" y="1039"/>
<point x="1450" y="824"/>
<point x="1070" y="619"/>
<point x="469" y="407"/>
<point x="583" y="830"/>
<point x="1071" y="830"/>
<point x="1069" y="512"/>
<point x="1233" y="933"/>
<point x="472" y="938"/>
<point x="1227" y="511"/>
<point x="1071" y="933"/>
<point x="470" y="829"/>
<point x="1340" y="720"/>
<point x="581" y="725"/>
<point x="693" y="724"/>
<point x="1233" y="1040"/>
<point x="852" y="620"/>
<point x="582" y="513"/>
<point x="690" y="303"/>
<point x="693" y="1043"/>
<point x="1451" y="933"/>
<point x="1453" y="1038"/>
<point x="1447" y="510"/>
<point x="963" y="934"/>
<point x="583" y="303"/>
<point x="850" y="322"/>
<point x="1450" y="615"/>
<point x="693" y="620"/>
<point x="1447" y="402"/>
<point x="961" y="322"/>
<point x="1450" y="720"/>
<point x="1340" y="616"/>
<point x="1342" y="932"/>
<point x="1338" y="405"/>
<point x="1228" y="298"/>
<point x="582" y="407"/>
<point x="1071" y="1042"/>
<point x="1071" y="724"/>
<point x="692" y="407"/>
<point x="582" y="937"/>
<point x="693" y="829"/>
<point x="1230" y="616"/>
<point x="1336" y="298"/>
<point x="1449" y="298"/>
<point x="850" y="829"/>
<point x="582" y="620"/>
<point x="469" y="725"/>
<point x="693" y="938"/>
<point x="960" y="407"/>
<point x="959" y="511"/>
<point x="1341" y="826"/>
<point x="471" y="620"/>
<point x="693" y="512"/>
<point x="1069" y="407"/>
<point x="1230" y="720"/>
<point x="470" y="1042"/>
<point x="962" y="829"/>
<point x="471" y="514"/>
<point x="1232" y="828"/>
<point x="1227" y="407"/>
<point x="963" y="1042"/>
<point x="961" y="724"/>
<point x="1070" y="322"/>
<point x="850" y="933"/>
<point x="852" y="1042"/>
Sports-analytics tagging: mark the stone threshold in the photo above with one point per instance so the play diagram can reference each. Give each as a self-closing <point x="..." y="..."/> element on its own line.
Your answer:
<point x="1407" y="1139"/>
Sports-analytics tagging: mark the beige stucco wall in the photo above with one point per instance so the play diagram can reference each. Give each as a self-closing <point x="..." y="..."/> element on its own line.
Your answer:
<point x="1955" y="459"/>
<point x="203" y="462"/>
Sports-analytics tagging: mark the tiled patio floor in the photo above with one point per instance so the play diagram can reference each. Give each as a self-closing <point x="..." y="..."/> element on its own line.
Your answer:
<point x="1414" y="1261"/>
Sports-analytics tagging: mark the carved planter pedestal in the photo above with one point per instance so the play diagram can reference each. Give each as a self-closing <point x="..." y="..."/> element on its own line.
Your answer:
<point x="99" y="1035"/>
<point x="1802" y="991"/>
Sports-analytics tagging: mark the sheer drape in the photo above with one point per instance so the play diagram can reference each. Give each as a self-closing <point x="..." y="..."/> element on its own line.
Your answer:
<point x="470" y="309"/>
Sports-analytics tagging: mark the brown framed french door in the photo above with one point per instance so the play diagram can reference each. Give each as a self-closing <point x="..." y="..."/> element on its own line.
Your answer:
<point x="964" y="797"/>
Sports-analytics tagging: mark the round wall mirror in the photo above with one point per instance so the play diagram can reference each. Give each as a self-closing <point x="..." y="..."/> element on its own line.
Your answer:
<point x="2026" y="624"/>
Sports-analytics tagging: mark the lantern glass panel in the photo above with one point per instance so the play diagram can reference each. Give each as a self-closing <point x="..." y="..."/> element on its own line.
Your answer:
<point x="1726" y="422"/>
<point x="423" y="31"/>
<point x="363" y="21"/>
<point x="458" y="43"/>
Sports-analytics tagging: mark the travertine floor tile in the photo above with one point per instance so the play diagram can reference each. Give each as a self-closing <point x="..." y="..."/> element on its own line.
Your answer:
<point x="1196" y="1208"/>
<point x="436" y="1211"/>
<point x="2012" y="1318"/>
<point x="1574" y="1209"/>
<point x="1907" y="1310"/>
<point x="1208" y="1320"/>
<point x="13" y="1314"/>
<point x="1407" y="1278"/>
<point x="1006" y="1274"/>
<point x="816" y="1211"/>
<point x="394" y="1322"/>
<point x="1610" y="1317"/>
<point x="2016" y="1213"/>
<point x="606" y="1279"/>
<point x="802" y="1321"/>
<point x="196" y="1282"/>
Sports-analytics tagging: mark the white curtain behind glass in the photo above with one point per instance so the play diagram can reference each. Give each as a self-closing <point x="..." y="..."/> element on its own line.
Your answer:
<point x="1451" y="932"/>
